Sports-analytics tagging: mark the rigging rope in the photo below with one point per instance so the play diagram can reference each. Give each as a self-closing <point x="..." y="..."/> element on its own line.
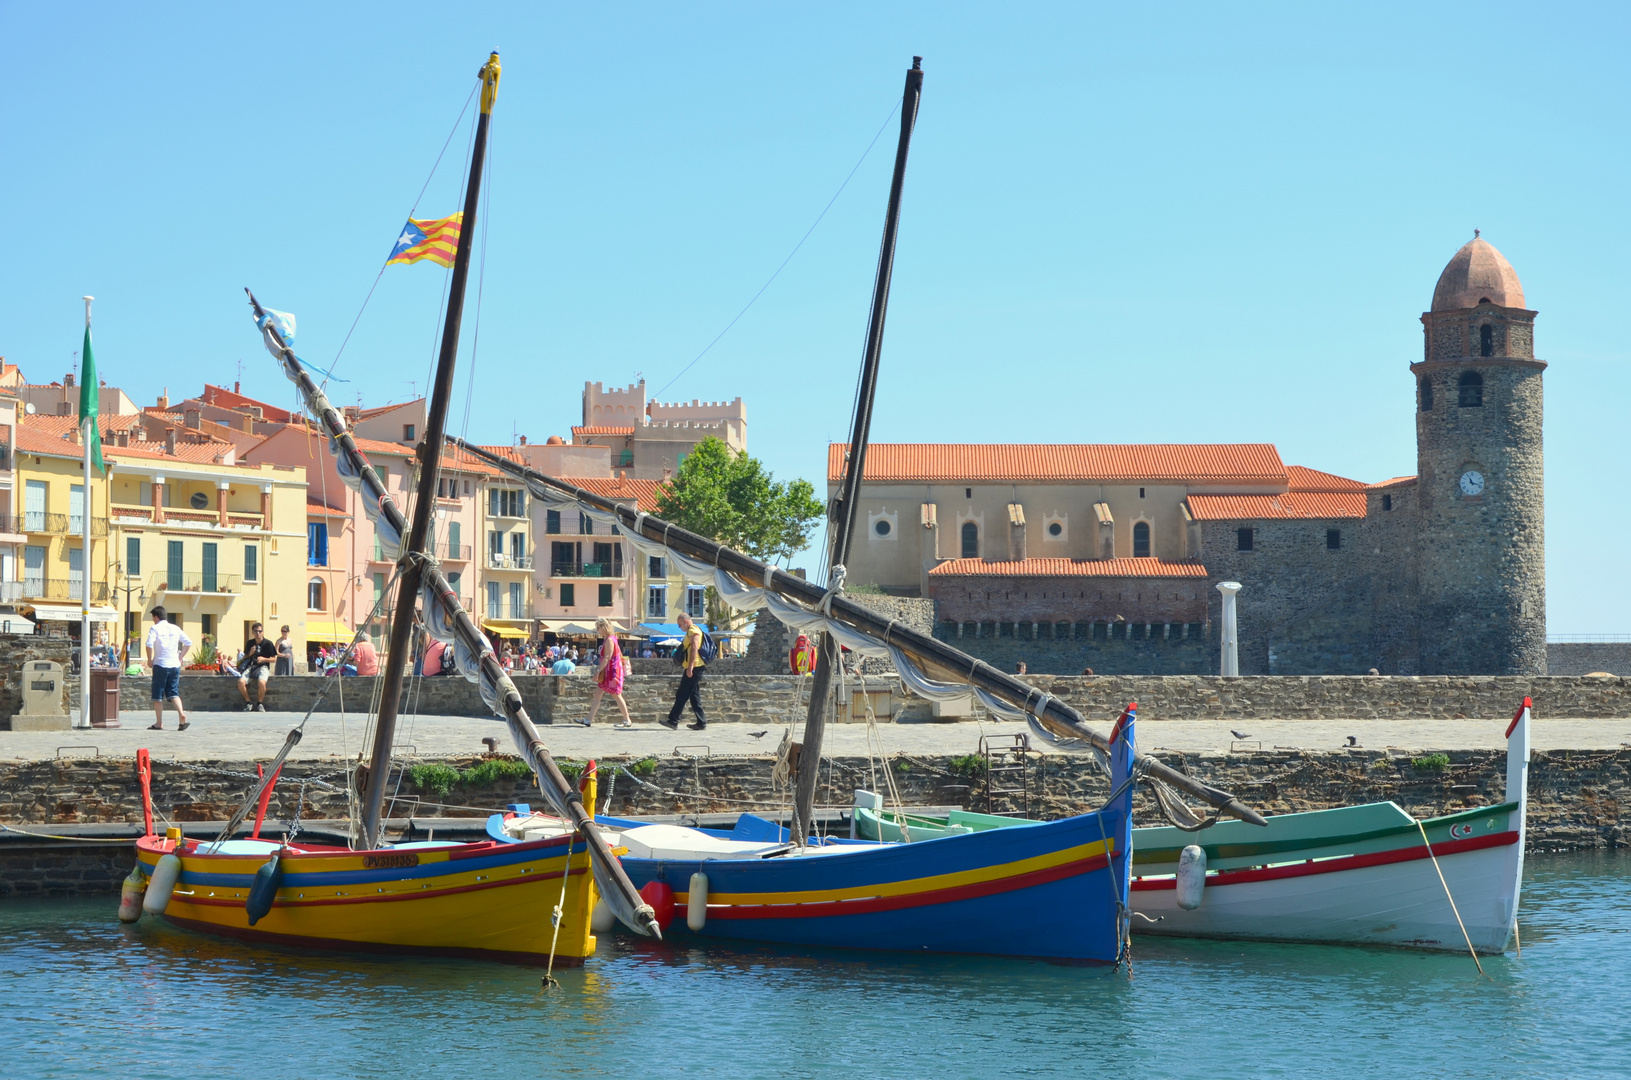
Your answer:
<point x="784" y="262"/>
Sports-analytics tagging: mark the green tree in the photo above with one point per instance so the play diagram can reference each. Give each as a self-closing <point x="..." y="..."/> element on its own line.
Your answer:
<point x="731" y="497"/>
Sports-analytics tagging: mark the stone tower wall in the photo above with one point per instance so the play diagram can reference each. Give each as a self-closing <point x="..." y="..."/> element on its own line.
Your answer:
<point x="1303" y="608"/>
<point x="1481" y="559"/>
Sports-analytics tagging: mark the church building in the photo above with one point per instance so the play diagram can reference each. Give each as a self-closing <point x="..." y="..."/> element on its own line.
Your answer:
<point x="1103" y="556"/>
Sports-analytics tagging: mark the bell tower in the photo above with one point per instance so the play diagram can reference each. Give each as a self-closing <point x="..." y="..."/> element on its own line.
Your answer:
<point x="1481" y="533"/>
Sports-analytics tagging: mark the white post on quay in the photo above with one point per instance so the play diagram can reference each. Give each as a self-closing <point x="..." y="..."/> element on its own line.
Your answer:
<point x="85" y="573"/>
<point x="1230" y="640"/>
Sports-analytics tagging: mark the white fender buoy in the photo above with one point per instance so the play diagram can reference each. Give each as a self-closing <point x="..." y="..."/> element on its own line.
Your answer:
<point x="130" y="895"/>
<point x="162" y="884"/>
<point x="601" y="919"/>
<point x="1191" y="877"/>
<point x="696" y="905"/>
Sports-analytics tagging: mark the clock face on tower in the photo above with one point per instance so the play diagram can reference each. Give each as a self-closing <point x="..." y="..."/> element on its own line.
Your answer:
<point x="1472" y="482"/>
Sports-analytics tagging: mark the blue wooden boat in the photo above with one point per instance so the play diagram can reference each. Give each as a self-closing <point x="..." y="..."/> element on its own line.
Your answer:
<point x="1055" y="890"/>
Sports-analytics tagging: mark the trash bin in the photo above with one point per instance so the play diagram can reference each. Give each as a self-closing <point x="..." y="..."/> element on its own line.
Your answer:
<point x="104" y="697"/>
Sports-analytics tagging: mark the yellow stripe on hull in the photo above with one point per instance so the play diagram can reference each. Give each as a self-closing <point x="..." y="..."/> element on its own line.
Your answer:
<point x="497" y="913"/>
<point x="909" y="886"/>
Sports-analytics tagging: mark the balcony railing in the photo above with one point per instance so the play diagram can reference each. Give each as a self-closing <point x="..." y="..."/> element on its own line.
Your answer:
<point x="502" y="609"/>
<point x="42" y="588"/>
<point x="498" y="560"/>
<point x="452" y="552"/>
<point x="612" y="569"/>
<point x="10" y="523"/>
<point x="10" y="591"/>
<point x="199" y="582"/>
<point x="37" y="521"/>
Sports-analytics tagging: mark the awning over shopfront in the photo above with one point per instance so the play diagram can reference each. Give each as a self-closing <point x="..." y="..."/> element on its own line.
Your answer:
<point x="64" y="613"/>
<point x="657" y="630"/>
<point x="510" y="628"/>
<point x="574" y="628"/>
<point x="329" y="633"/>
<point x="15" y="624"/>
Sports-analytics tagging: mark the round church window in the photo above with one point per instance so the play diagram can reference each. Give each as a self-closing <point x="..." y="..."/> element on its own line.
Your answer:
<point x="882" y="527"/>
<point x="1055" y="529"/>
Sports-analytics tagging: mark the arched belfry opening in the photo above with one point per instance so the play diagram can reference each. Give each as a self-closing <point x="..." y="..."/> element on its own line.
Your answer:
<point x="1426" y="395"/>
<point x="1486" y="340"/>
<point x="1471" y="387"/>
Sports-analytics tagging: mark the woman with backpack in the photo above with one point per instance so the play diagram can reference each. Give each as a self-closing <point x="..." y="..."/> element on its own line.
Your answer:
<point x="609" y="674"/>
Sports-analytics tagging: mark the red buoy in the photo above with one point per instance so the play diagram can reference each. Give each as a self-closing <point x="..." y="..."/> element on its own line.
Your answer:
<point x="661" y="899"/>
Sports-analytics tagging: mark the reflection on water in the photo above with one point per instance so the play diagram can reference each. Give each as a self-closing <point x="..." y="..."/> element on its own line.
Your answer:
<point x="82" y="995"/>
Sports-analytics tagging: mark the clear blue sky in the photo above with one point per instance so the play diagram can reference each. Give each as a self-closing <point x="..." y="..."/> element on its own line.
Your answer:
<point x="1123" y="223"/>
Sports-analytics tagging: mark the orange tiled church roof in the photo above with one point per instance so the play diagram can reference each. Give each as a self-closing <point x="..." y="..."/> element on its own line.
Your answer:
<point x="1154" y="568"/>
<point x="1044" y="463"/>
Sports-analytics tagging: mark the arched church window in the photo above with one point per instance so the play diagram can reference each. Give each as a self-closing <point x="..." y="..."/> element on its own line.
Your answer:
<point x="971" y="540"/>
<point x="1427" y="395"/>
<point x="1486" y="340"/>
<point x="1472" y="390"/>
<point x="1141" y="540"/>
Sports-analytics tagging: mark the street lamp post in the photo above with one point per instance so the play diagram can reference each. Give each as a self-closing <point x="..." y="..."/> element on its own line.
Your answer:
<point x="127" y="588"/>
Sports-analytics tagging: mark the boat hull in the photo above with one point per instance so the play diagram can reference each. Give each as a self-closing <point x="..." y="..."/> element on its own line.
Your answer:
<point x="1391" y="897"/>
<point x="1047" y="891"/>
<point x="484" y="901"/>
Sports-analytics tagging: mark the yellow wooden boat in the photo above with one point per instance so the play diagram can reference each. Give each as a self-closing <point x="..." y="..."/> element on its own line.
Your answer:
<point x="487" y="900"/>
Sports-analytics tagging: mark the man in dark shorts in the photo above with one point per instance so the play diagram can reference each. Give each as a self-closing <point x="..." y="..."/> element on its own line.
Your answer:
<point x="259" y="655"/>
<point x="166" y="646"/>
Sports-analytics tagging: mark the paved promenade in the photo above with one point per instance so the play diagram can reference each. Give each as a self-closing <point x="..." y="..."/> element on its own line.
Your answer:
<point x="256" y="736"/>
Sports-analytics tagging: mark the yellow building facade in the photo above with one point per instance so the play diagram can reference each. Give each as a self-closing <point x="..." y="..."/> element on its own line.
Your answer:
<point x="180" y="524"/>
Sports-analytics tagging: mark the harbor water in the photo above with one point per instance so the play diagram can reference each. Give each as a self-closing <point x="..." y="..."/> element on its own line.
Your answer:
<point x="81" y="995"/>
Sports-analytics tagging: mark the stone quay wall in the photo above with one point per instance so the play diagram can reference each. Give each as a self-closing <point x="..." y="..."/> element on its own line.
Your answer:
<point x="765" y="699"/>
<point x="1578" y="799"/>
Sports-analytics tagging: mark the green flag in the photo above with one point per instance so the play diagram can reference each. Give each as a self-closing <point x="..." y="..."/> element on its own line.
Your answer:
<point x="88" y="400"/>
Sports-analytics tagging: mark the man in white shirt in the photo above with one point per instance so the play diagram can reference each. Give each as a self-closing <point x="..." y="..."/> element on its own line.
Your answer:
<point x="166" y="645"/>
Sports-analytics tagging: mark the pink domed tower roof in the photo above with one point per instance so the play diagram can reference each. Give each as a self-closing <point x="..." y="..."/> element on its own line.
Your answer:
<point x="1477" y="274"/>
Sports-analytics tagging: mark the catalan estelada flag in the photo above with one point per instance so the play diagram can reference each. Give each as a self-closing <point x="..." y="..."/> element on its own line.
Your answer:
<point x="435" y="240"/>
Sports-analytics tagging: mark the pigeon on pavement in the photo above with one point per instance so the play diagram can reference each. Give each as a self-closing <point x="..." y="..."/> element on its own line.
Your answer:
<point x="758" y="734"/>
<point x="1239" y="734"/>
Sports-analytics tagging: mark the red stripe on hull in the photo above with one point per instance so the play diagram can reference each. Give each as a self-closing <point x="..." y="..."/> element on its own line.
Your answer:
<point x="1334" y="866"/>
<point x="296" y="941"/>
<point x="825" y="909"/>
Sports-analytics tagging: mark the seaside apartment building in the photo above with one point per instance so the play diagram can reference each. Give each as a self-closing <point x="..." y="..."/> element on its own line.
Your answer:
<point x="180" y="523"/>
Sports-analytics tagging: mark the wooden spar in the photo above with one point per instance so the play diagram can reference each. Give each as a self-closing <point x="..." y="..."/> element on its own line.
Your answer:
<point x="938" y="659"/>
<point x="411" y="562"/>
<point x="615" y="886"/>
<point x="841" y="519"/>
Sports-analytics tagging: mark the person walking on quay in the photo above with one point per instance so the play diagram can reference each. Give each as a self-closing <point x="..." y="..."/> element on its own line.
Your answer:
<point x="166" y="645"/>
<point x="257" y="665"/>
<point x="285" y="654"/>
<point x="690" y="655"/>
<point x="608" y="675"/>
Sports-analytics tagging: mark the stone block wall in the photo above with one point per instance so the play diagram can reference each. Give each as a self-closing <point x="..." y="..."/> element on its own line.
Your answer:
<point x="1107" y="648"/>
<point x="1578" y="799"/>
<point x="763" y="699"/>
<point x="1584" y="657"/>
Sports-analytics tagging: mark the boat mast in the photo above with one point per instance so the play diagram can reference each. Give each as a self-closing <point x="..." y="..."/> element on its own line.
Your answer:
<point x="411" y="561"/>
<point x="846" y="507"/>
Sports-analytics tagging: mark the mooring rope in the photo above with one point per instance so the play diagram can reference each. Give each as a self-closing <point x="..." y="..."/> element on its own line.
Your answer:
<point x="1457" y="911"/>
